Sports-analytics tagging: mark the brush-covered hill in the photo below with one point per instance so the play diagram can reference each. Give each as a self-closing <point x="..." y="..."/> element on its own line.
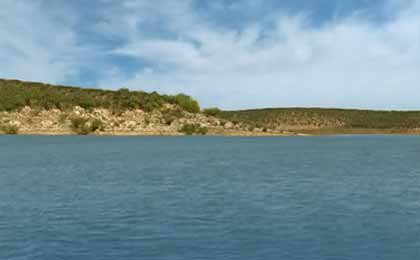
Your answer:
<point x="328" y="121"/>
<point x="36" y="108"/>
<point x="15" y="95"/>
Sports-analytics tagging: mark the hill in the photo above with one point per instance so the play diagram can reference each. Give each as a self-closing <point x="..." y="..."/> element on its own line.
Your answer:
<point x="37" y="108"/>
<point x="327" y="121"/>
<point x="16" y="94"/>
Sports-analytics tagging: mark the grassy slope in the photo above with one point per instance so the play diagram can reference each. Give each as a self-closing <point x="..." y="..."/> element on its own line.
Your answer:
<point x="324" y="121"/>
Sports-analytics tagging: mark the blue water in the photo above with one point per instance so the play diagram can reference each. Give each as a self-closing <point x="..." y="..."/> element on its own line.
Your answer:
<point x="317" y="198"/>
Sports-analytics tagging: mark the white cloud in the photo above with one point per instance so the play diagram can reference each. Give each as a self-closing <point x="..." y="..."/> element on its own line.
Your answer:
<point x="351" y="62"/>
<point x="33" y="45"/>
<point x="277" y="60"/>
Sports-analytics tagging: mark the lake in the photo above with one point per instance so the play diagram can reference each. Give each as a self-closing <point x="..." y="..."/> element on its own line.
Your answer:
<point x="315" y="198"/>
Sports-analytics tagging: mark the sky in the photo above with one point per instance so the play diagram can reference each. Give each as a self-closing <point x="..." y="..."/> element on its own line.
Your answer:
<point x="233" y="54"/>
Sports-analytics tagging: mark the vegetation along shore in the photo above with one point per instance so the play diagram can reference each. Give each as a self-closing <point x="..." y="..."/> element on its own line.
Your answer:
<point x="36" y="108"/>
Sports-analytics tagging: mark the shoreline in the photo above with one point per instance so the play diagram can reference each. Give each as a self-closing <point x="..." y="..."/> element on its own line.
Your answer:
<point x="228" y="134"/>
<point x="167" y="122"/>
<point x="151" y="134"/>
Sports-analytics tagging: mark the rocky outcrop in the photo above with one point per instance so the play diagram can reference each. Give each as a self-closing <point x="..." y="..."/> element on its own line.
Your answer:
<point x="167" y="121"/>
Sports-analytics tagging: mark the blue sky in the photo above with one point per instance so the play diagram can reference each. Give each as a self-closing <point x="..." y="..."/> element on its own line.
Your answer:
<point x="228" y="53"/>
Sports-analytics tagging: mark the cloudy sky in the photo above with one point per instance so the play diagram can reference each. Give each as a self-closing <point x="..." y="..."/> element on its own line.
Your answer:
<point x="228" y="53"/>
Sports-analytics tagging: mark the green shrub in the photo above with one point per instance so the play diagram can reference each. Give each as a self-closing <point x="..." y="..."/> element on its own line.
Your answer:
<point x="123" y="91"/>
<point x="79" y="125"/>
<point x="9" y="129"/>
<point x="77" y="121"/>
<point x="193" y="129"/>
<point x="202" y="131"/>
<point x="211" y="111"/>
<point x="168" y="119"/>
<point x="132" y="102"/>
<point x="84" y="130"/>
<point x="187" y="103"/>
<point x="84" y="126"/>
<point x="86" y="101"/>
<point x="97" y="124"/>
<point x="170" y="115"/>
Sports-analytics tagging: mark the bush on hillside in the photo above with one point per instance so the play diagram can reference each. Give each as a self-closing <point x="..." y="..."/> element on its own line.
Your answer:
<point x="79" y="125"/>
<point x="211" y="111"/>
<point x="170" y="115"/>
<point x="193" y="129"/>
<point x="84" y="126"/>
<point x="97" y="124"/>
<point x="187" y="103"/>
<point x="9" y="129"/>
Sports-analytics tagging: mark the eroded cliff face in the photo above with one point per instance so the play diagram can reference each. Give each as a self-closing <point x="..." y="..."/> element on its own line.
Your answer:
<point x="169" y="120"/>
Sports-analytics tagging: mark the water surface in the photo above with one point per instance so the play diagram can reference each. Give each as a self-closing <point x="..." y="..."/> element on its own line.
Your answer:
<point x="315" y="198"/>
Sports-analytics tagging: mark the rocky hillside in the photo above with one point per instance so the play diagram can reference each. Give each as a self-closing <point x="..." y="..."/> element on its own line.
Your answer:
<point x="35" y="108"/>
<point x="167" y="121"/>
